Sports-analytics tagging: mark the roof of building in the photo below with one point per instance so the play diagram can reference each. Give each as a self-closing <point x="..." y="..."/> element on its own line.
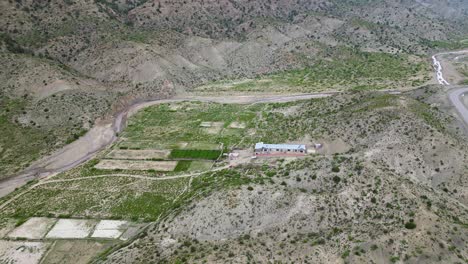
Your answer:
<point x="261" y="145"/>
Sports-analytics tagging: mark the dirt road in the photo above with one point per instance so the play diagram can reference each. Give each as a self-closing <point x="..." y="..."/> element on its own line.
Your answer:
<point x="103" y="134"/>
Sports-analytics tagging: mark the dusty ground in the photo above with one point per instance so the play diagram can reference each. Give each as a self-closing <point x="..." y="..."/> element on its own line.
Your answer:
<point x="110" y="229"/>
<point x="138" y="154"/>
<point x="21" y="252"/>
<point x="136" y="165"/>
<point x="71" y="228"/>
<point x="34" y="228"/>
<point x="74" y="251"/>
<point x="237" y="125"/>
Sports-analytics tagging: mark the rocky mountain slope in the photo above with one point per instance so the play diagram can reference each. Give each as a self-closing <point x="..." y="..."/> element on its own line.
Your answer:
<point x="394" y="193"/>
<point x="70" y="62"/>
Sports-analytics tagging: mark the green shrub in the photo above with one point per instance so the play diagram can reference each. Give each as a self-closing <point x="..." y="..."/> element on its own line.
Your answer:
<point x="410" y="224"/>
<point x="336" y="179"/>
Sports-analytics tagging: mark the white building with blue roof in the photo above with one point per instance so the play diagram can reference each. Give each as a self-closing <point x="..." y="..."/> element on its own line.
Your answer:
<point x="269" y="149"/>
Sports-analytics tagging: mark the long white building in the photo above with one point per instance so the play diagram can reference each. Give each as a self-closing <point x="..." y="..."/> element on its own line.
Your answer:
<point x="265" y="149"/>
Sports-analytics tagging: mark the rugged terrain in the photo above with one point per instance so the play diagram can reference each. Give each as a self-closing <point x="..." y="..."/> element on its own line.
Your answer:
<point x="388" y="186"/>
<point x="91" y="58"/>
<point x="403" y="161"/>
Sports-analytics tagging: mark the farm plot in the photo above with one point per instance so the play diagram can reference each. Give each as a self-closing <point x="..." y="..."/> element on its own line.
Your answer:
<point x="75" y="251"/>
<point x="112" y="229"/>
<point x="237" y="125"/>
<point x="136" y="165"/>
<point x="195" y="154"/>
<point x="192" y="123"/>
<point x="200" y="145"/>
<point x="21" y="252"/>
<point x="34" y="228"/>
<point x="71" y="228"/>
<point x="136" y="144"/>
<point x="145" y="154"/>
<point x="212" y="127"/>
<point x="108" y="198"/>
<point x="198" y="165"/>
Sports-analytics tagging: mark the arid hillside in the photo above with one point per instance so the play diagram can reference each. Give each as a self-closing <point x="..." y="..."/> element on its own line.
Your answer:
<point x="71" y="62"/>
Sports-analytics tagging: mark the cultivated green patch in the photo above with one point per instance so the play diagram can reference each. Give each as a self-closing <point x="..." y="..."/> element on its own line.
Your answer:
<point x="195" y="154"/>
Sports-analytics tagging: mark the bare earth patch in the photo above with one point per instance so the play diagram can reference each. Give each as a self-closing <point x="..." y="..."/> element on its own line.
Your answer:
<point x="110" y="229"/>
<point x="34" y="228"/>
<point x="136" y="165"/>
<point x="237" y="125"/>
<point x="215" y="127"/>
<point x="206" y="124"/>
<point x="21" y="252"/>
<point x="74" y="251"/>
<point x="138" y="154"/>
<point x="71" y="228"/>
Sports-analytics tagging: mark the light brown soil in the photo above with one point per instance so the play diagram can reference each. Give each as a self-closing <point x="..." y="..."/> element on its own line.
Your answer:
<point x="138" y="154"/>
<point x="136" y="165"/>
<point x="237" y="125"/>
<point x="74" y="251"/>
<point x="34" y="228"/>
<point x="21" y="252"/>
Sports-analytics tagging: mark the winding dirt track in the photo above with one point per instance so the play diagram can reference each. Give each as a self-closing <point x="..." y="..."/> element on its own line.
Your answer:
<point x="103" y="135"/>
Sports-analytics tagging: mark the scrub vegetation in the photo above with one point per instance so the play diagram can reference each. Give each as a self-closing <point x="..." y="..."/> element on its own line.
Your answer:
<point x="340" y="69"/>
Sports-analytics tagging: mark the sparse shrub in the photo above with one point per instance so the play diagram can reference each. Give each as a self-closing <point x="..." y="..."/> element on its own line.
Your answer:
<point x="410" y="224"/>
<point x="336" y="168"/>
<point x="336" y="179"/>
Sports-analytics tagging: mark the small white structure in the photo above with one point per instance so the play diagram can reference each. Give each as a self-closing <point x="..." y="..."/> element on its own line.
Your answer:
<point x="279" y="149"/>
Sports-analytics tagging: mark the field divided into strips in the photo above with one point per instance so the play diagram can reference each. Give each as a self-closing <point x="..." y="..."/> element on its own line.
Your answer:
<point x="137" y="165"/>
<point x="178" y="138"/>
<point x="143" y="154"/>
<point x="108" y="197"/>
<point x="190" y="126"/>
<point x="115" y="194"/>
